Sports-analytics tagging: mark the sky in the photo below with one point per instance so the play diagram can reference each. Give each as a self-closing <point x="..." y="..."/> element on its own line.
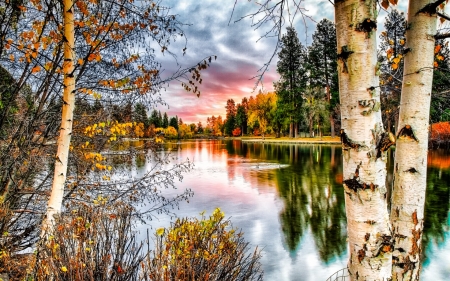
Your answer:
<point x="240" y="53"/>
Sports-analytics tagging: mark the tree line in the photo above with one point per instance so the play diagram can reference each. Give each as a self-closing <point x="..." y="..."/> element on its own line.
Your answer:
<point x="306" y="97"/>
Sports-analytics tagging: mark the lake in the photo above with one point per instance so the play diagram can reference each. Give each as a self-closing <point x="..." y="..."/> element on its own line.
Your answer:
<point x="289" y="201"/>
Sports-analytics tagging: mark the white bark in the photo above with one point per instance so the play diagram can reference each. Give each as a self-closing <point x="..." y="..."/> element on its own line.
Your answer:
<point x="369" y="234"/>
<point x="410" y="169"/>
<point x="63" y="143"/>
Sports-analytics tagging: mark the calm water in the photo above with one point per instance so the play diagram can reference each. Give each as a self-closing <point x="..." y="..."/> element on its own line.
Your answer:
<point x="289" y="200"/>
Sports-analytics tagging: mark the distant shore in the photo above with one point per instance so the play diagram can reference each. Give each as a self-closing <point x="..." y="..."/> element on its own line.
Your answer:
<point x="286" y="140"/>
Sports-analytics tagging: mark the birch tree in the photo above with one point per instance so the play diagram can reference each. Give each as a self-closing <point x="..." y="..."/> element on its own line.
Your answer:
<point x="364" y="167"/>
<point x="410" y="168"/>
<point x="63" y="142"/>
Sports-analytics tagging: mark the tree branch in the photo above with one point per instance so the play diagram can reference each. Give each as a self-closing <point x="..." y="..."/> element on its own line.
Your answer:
<point x="442" y="15"/>
<point x="431" y="8"/>
<point x="442" y="36"/>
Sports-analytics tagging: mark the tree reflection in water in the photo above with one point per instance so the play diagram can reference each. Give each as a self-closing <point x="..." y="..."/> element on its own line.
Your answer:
<point x="312" y="193"/>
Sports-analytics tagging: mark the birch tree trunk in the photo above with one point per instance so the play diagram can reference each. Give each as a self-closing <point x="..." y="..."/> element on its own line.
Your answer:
<point x="364" y="167"/>
<point x="63" y="143"/>
<point x="410" y="169"/>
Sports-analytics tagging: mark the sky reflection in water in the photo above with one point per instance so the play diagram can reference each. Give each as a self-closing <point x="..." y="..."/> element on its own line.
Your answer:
<point x="289" y="201"/>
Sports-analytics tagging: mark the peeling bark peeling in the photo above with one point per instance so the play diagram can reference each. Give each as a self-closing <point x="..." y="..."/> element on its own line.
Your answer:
<point x="408" y="194"/>
<point x="368" y="224"/>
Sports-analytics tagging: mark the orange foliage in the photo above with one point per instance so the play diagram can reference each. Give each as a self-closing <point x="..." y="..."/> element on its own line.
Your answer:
<point x="236" y="132"/>
<point x="440" y="132"/>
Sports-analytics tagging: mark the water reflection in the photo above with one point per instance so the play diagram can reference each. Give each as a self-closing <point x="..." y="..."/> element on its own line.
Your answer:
<point x="289" y="200"/>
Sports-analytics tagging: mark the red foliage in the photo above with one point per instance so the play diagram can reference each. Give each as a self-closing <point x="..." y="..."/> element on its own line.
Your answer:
<point x="236" y="132"/>
<point x="440" y="132"/>
<point x="256" y="132"/>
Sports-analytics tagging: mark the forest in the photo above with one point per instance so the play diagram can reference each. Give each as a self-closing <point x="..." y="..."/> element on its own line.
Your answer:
<point x="79" y="76"/>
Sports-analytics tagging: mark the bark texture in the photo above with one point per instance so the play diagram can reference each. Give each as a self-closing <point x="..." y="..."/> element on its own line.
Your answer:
<point x="410" y="168"/>
<point x="63" y="142"/>
<point x="369" y="233"/>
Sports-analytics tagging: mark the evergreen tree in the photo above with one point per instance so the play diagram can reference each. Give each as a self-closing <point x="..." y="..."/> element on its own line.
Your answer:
<point x="160" y="119"/>
<point x="165" y="121"/>
<point x="199" y="128"/>
<point x="241" y="118"/>
<point x="323" y="66"/>
<point x="293" y="71"/>
<point x="174" y="122"/>
<point x="140" y="114"/>
<point x="230" y="123"/>
<point x="154" y="119"/>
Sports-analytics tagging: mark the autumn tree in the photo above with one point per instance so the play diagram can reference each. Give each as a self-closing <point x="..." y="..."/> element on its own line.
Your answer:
<point x="392" y="49"/>
<point x="261" y="110"/>
<point x="102" y="59"/>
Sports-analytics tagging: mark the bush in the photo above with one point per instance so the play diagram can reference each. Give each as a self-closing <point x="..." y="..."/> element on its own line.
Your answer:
<point x="205" y="249"/>
<point x="90" y="243"/>
<point x="98" y="243"/>
<point x="170" y="133"/>
<point x="236" y="132"/>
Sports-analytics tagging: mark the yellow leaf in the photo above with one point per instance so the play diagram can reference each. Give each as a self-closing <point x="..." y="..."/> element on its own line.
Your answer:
<point x="160" y="231"/>
<point x="439" y="57"/>
<point x="80" y="61"/>
<point x="394" y="66"/>
<point x="436" y="64"/>
<point x="47" y="65"/>
<point x="396" y="60"/>
<point x="402" y="42"/>
<point x="63" y="269"/>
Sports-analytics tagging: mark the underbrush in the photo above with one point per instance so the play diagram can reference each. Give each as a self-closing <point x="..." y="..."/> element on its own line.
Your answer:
<point x="99" y="242"/>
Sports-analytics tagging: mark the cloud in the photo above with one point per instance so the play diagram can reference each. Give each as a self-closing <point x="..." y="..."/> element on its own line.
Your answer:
<point x="213" y="29"/>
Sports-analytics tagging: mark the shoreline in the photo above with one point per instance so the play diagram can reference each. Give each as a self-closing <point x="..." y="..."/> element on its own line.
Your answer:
<point x="286" y="140"/>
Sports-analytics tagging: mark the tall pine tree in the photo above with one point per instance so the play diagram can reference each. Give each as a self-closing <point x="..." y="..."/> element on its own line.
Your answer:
<point x="322" y="57"/>
<point x="292" y="69"/>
